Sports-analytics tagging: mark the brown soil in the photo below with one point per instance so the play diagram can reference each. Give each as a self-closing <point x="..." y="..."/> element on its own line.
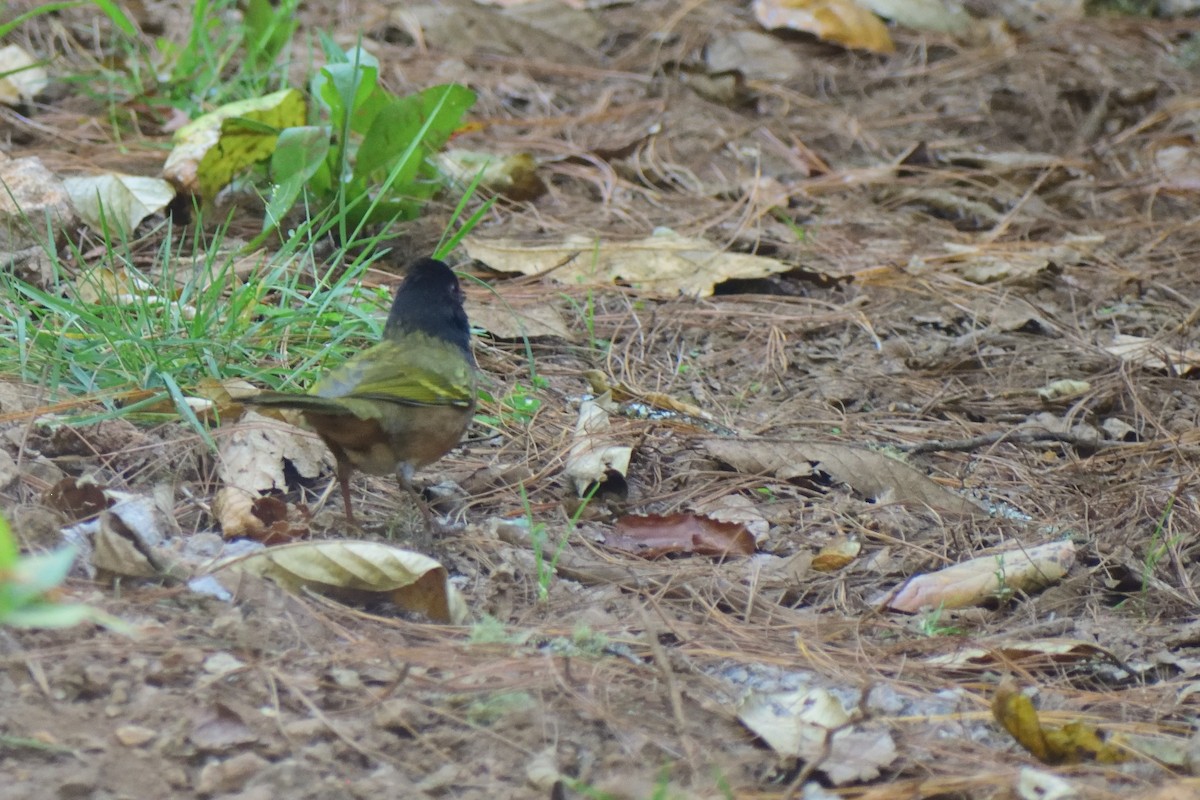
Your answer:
<point x="977" y="220"/>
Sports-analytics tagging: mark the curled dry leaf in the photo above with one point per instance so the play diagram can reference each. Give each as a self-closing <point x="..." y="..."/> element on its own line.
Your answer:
<point x="983" y="579"/>
<point x="593" y="457"/>
<point x="1039" y="654"/>
<point x="837" y="554"/>
<point x="1071" y="744"/>
<point x="359" y="572"/>
<point x="253" y="450"/>
<point x="655" y="536"/>
<point x="264" y="519"/>
<point x="871" y="473"/>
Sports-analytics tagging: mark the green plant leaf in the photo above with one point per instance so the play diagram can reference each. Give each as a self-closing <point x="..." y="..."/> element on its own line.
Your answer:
<point x="399" y="123"/>
<point x="35" y="575"/>
<point x="346" y="88"/>
<point x="49" y="615"/>
<point x="268" y="31"/>
<point x="299" y="155"/>
<point x="8" y="548"/>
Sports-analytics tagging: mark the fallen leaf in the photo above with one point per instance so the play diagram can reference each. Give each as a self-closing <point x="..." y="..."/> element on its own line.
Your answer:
<point x="1071" y="744"/>
<point x="983" y="579"/>
<point x="1149" y="354"/>
<point x="837" y="554"/>
<point x="843" y="22"/>
<point x="21" y="79"/>
<point x="869" y="472"/>
<point x="504" y="321"/>
<point x="1039" y="654"/>
<point x="253" y="450"/>
<point x="118" y="202"/>
<point x="594" y="458"/>
<point x="210" y="150"/>
<point x="798" y="723"/>
<point x="654" y="536"/>
<point x="944" y="16"/>
<point x="514" y="176"/>
<point x="357" y="572"/>
<point x="666" y="263"/>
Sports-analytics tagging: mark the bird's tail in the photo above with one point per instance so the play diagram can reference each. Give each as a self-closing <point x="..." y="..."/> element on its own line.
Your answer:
<point x="300" y="402"/>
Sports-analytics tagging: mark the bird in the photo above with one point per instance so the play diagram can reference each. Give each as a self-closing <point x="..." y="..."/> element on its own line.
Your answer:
<point x="402" y="403"/>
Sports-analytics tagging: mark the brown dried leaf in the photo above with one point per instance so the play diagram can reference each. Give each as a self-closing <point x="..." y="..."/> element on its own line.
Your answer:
<point x="868" y="472"/>
<point x="836" y="554"/>
<point x="666" y="263"/>
<point x="1047" y="654"/>
<point x="269" y="520"/>
<point x="655" y="536"/>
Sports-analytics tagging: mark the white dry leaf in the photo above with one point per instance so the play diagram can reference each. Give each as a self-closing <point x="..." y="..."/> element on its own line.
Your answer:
<point x="1149" y="354"/>
<point x="130" y="541"/>
<point x="593" y="455"/>
<point x="942" y="16"/>
<point x="349" y="569"/>
<point x="20" y="79"/>
<point x="982" y="579"/>
<point x="796" y="724"/>
<point x="1063" y="389"/>
<point x="253" y="451"/>
<point x="1036" y="784"/>
<point x="666" y="263"/>
<point x="757" y="56"/>
<point x="119" y="201"/>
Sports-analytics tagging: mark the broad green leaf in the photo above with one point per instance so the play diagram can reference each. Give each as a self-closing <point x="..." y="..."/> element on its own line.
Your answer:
<point x="399" y="124"/>
<point x="343" y="88"/>
<point x="299" y="155"/>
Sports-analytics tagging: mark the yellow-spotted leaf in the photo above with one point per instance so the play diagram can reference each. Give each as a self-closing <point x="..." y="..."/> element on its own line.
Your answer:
<point x="211" y="150"/>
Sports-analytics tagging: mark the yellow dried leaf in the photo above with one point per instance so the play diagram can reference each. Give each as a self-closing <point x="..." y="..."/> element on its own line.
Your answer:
<point x="840" y="21"/>
<point x="1071" y="744"/>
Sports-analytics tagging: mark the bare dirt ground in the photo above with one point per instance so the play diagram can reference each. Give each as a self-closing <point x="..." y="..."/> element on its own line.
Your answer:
<point x="968" y="221"/>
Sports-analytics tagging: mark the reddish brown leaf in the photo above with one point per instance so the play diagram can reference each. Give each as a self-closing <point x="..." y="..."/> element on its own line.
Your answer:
<point x="656" y="535"/>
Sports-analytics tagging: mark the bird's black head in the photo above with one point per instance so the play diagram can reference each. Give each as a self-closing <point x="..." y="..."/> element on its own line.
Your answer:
<point x="430" y="301"/>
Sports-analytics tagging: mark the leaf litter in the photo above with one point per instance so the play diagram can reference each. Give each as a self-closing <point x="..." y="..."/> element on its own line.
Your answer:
<point x="1047" y="155"/>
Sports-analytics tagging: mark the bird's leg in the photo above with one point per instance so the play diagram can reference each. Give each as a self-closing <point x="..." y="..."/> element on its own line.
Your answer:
<point x="343" y="477"/>
<point x="405" y="474"/>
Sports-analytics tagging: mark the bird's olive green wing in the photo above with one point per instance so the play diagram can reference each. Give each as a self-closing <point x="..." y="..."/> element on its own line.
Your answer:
<point x="413" y="370"/>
